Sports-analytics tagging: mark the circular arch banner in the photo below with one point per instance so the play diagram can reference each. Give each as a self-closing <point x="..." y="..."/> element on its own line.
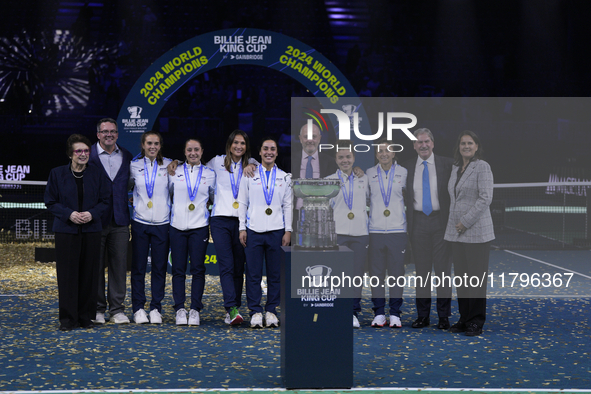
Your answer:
<point x="218" y="49"/>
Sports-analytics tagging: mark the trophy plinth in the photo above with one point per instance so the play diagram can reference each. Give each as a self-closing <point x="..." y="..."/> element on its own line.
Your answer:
<point x="315" y="224"/>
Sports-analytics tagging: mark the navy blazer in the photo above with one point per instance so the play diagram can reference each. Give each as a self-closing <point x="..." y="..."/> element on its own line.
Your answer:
<point x="443" y="167"/>
<point x="118" y="208"/>
<point x="61" y="198"/>
<point x="326" y="163"/>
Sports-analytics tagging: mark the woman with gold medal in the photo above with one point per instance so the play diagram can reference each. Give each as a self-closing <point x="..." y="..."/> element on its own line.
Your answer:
<point x="350" y="215"/>
<point x="229" y="169"/>
<point x="223" y="222"/>
<point x="190" y="189"/>
<point x="387" y="232"/>
<point x="265" y="225"/>
<point x="149" y="227"/>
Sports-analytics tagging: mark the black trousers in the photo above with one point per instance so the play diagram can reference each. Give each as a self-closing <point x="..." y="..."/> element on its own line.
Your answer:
<point x="431" y="255"/>
<point x="471" y="262"/>
<point x="77" y="266"/>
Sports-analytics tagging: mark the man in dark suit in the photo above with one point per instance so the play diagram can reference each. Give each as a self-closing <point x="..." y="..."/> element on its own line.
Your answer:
<point x="309" y="162"/>
<point x="114" y="160"/>
<point x="427" y="210"/>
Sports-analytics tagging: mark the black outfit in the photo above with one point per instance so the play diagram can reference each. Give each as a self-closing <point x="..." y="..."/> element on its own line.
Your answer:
<point x="471" y="259"/>
<point x="429" y="250"/>
<point x="77" y="246"/>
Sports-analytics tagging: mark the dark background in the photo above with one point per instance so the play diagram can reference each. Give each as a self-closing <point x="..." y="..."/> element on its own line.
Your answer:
<point x="64" y="65"/>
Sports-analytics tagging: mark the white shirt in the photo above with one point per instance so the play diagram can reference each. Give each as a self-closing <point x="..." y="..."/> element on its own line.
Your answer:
<point x="396" y="221"/>
<point x="160" y="211"/>
<point x="253" y="204"/>
<point x="359" y="224"/>
<point x="182" y="218"/>
<point x="110" y="161"/>
<point x="418" y="184"/>
<point x="223" y="200"/>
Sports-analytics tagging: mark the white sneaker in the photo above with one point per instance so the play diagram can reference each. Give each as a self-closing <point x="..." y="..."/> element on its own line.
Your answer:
<point x="120" y="318"/>
<point x="140" y="317"/>
<point x="271" y="320"/>
<point x="256" y="320"/>
<point x="379" y="321"/>
<point x="155" y="317"/>
<point x="395" y="322"/>
<point x="99" y="319"/>
<point x="181" y="317"/>
<point x="194" y="318"/>
<point x="228" y="319"/>
<point x="355" y="322"/>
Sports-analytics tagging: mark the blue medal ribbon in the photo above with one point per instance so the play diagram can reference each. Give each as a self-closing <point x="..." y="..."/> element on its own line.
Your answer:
<point x="192" y="192"/>
<point x="268" y="193"/>
<point x="150" y="182"/>
<point x="236" y="183"/>
<point x="348" y="198"/>
<point x="386" y="197"/>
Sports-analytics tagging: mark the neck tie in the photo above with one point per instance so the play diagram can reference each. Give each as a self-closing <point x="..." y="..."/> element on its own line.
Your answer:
<point x="309" y="170"/>
<point x="427" y="207"/>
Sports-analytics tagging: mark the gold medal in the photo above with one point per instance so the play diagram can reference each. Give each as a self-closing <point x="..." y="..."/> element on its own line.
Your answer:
<point x="350" y="215"/>
<point x="235" y="205"/>
<point x="268" y="211"/>
<point x="191" y="207"/>
<point x="387" y="213"/>
<point x="150" y="205"/>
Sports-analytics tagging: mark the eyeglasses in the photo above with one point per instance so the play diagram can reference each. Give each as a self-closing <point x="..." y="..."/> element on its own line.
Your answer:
<point x="108" y="131"/>
<point x="78" y="152"/>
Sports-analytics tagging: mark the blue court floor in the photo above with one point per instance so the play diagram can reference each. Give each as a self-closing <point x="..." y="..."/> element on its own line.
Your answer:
<point x="535" y="337"/>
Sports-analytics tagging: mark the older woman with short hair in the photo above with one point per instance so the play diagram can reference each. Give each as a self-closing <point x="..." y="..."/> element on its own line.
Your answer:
<point x="77" y="194"/>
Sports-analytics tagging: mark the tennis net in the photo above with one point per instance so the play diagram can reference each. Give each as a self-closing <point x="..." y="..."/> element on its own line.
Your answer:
<point x="551" y="215"/>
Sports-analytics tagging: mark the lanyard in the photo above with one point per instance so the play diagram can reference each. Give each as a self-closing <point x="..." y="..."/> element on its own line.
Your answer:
<point x="386" y="197"/>
<point x="348" y="198"/>
<point x="268" y="193"/>
<point x="236" y="182"/>
<point x="150" y="182"/>
<point x="192" y="192"/>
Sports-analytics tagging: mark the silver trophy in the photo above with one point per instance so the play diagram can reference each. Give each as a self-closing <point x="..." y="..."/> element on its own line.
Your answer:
<point x="315" y="224"/>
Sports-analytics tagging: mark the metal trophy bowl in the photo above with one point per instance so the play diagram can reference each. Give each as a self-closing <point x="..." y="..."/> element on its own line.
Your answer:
<point x="315" y="224"/>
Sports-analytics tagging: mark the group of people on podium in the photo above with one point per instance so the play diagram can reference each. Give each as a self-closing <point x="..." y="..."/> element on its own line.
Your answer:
<point x="250" y="217"/>
<point x="435" y="205"/>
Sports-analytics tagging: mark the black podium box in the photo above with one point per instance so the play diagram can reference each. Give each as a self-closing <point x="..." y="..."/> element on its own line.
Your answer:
<point x="317" y="325"/>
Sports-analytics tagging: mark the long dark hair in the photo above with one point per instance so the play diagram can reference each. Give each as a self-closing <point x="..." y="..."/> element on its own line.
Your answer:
<point x="245" y="156"/>
<point x="458" y="160"/>
<point x="159" y="155"/>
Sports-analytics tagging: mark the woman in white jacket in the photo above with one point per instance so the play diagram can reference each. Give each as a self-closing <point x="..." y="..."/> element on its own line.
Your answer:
<point x="265" y="225"/>
<point x="190" y="188"/>
<point x="149" y="227"/>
